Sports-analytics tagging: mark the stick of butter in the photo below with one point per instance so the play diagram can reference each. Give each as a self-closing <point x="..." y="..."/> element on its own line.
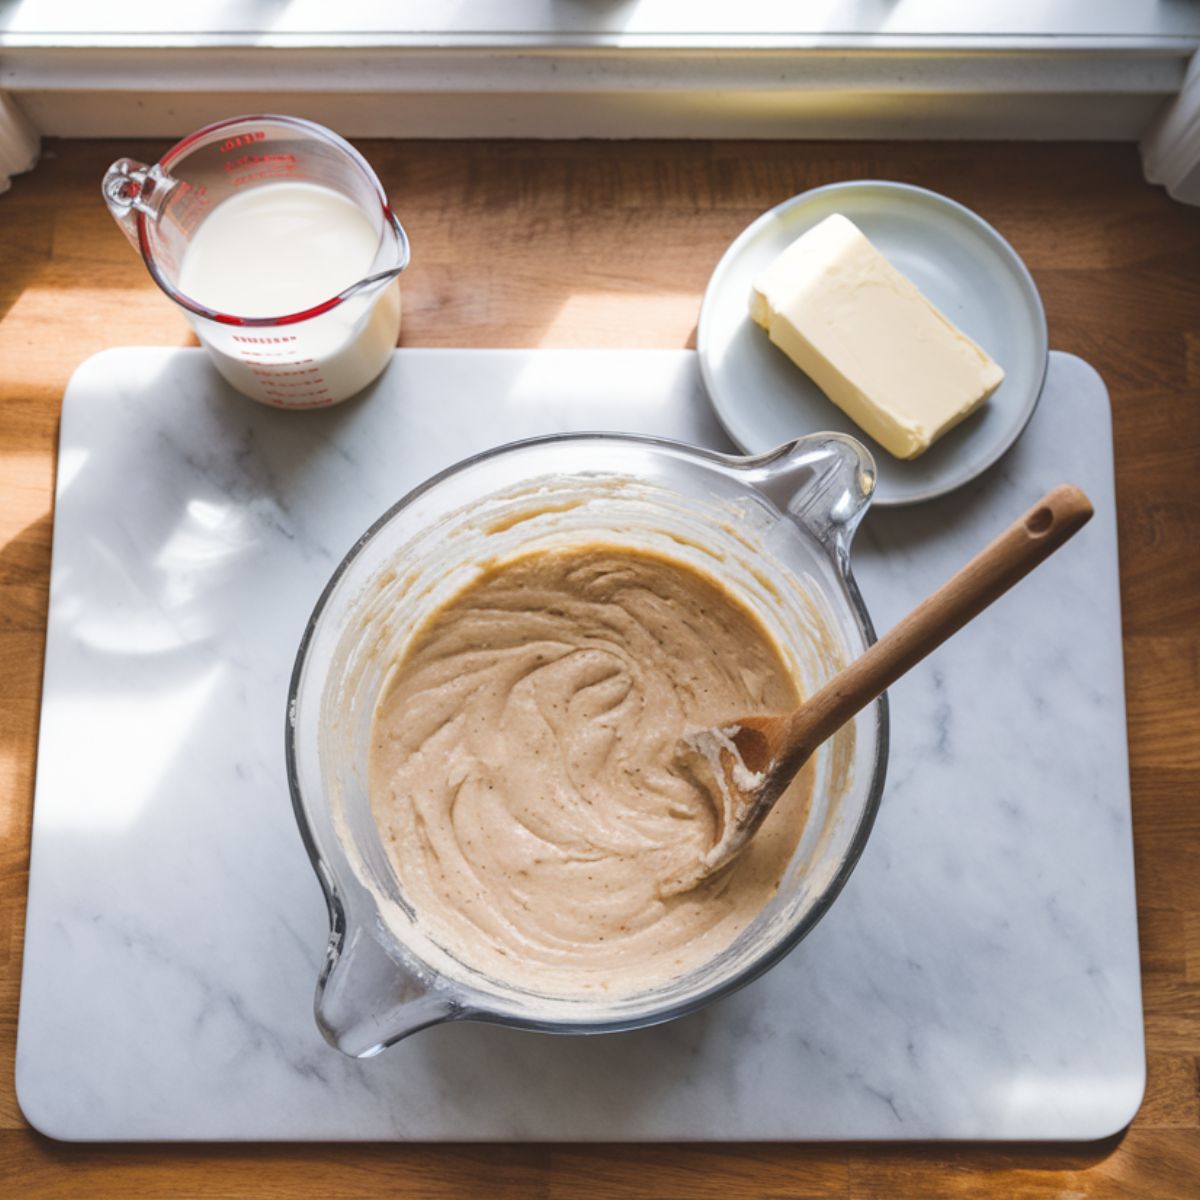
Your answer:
<point x="870" y="341"/>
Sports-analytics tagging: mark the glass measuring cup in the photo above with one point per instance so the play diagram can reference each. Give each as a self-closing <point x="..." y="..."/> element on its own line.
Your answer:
<point x="775" y="530"/>
<point x="305" y="359"/>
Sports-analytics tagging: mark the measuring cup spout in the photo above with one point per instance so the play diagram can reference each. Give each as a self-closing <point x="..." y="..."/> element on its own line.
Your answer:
<point x="391" y="260"/>
<point x="825" y="481"/>
<point x="367" y="1000"/>
<point x="130" y="187"/>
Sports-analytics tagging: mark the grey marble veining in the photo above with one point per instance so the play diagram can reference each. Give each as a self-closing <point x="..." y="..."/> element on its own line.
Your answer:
<point x="978" y="978"/>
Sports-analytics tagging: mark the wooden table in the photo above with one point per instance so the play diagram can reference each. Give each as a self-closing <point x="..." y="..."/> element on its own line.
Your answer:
<point x="610" y="244"/>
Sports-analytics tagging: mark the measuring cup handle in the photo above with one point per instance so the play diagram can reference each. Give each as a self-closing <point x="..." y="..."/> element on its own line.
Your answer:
<point x="130" y="187"/>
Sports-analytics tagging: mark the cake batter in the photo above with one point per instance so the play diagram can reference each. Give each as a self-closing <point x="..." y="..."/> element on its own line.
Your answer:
<point x="526" y="780"/>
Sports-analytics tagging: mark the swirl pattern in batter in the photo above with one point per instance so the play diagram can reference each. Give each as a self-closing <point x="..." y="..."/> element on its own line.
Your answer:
<point x="525" y="777"/>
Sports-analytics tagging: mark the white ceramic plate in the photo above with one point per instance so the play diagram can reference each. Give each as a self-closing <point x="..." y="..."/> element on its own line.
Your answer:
<point x="955" y="257"/>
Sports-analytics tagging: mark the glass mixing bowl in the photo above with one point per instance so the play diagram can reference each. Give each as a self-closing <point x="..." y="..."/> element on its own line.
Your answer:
<point x="774" y="529"/>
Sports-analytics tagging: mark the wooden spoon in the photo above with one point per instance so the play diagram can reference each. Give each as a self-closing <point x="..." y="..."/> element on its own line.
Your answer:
<point x="748" y="763"/>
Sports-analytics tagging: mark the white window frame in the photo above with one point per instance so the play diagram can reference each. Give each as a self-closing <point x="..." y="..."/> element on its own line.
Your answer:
<point x="1097" y="69"/>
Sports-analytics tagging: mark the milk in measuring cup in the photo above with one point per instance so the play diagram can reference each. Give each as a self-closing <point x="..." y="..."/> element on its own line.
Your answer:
<point x="278" y="249"/>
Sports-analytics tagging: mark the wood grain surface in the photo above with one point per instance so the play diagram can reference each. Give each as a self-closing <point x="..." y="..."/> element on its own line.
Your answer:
<point x="611" y="244"/>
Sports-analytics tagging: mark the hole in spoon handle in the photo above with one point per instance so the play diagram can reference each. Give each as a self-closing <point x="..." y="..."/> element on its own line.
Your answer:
<point x="1040" y="521"/>
<point x="1062" y="512"/>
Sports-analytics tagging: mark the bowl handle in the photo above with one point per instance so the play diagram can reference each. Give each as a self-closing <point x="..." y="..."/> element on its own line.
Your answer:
<point x="367" y="1000"/>
<point x="824" y="481"/>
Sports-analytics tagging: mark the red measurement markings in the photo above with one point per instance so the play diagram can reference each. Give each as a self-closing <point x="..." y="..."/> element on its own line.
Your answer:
<point x="306" y="404"/>
<point x="295" y="386"/>
<point x="284" y="379"/>
<point x="243" y="139"/>
<point x="239" y="181"/>
<point x="188" y="207"/>
<point x="272" y="162"/>
<point x="308" y="391"/>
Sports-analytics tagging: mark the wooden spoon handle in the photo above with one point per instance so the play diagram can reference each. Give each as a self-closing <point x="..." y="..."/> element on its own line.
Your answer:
<point x="1021" y="547"/>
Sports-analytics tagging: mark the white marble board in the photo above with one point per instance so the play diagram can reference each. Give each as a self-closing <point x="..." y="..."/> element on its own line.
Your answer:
<point x="978" y="978"/>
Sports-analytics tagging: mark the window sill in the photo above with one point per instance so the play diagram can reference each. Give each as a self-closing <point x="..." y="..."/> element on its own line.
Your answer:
<point x="1044" y="69"/>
